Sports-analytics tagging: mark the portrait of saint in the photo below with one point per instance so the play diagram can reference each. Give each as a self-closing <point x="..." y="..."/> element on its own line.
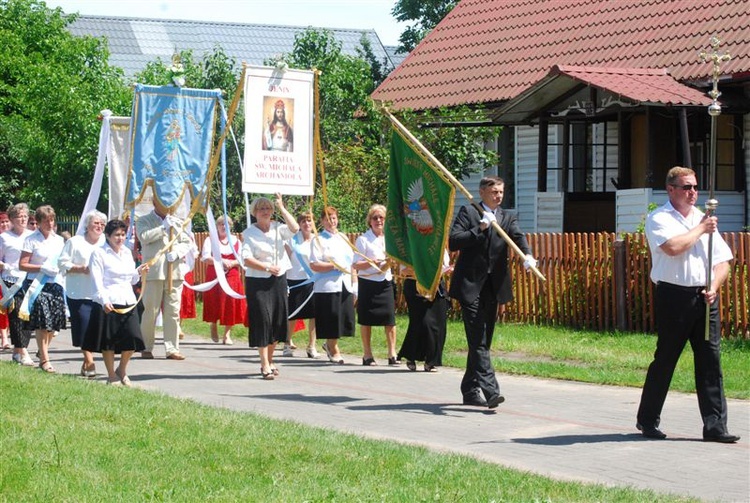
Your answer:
<point x="277" y="128"/>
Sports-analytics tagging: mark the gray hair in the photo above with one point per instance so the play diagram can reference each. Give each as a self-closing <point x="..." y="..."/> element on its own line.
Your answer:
<point x="94" y="215"/>
<point x="17" y="208"/>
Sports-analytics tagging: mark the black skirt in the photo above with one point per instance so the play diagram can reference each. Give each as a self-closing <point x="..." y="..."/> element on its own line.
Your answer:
<point x="48" y="311"/>
<point x="334" y="314"/>
<point x="267" y="310"/>
<point x="376" y="303"/>
<point x="113" y="331"/>
<point x="425" y="336"/>
<point x="301" y="300"/>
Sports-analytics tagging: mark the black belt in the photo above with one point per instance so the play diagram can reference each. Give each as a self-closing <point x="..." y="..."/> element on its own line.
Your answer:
<point x="690" y="289"/>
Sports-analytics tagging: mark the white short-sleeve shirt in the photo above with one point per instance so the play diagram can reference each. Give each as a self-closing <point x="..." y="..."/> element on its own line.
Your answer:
<point x="43" y="249"/>
<point x="688" y="268"/>
<point x="372" y="247"/>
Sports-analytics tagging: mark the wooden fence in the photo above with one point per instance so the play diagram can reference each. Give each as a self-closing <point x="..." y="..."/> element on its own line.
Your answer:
<point x="597" y="282"/>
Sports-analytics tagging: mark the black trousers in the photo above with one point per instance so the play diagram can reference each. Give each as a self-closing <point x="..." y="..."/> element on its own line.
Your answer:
<point x="479" y="324"/>
<point x="20" y="336"/>
<point x="681" y="317"/>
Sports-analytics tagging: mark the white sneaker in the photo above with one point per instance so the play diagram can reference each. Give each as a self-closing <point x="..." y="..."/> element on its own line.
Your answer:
<point x="312" y="352"/>
<point x="18" y="358"/>
<point x="26" y="361"/>
<point x="287" y="351"/>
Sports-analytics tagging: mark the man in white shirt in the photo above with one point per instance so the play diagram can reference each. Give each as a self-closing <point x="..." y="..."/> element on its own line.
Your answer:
<point x="678" y="238"/>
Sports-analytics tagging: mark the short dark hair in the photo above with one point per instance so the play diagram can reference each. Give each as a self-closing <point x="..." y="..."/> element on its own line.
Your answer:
<point x="114" y="225"/>
<point x="490" y="181"/>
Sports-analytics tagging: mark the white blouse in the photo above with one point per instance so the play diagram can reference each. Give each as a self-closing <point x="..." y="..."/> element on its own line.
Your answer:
<point x="41" y="249"/>
<point x="335" y="247"/>
<point x="114" y="275"/>
<point x="372" y="247"/>
<point x="77" y="251"/>
<point x="299" y="250"/>
<point x="267" y="247"/>
<point x="11" y="245"/>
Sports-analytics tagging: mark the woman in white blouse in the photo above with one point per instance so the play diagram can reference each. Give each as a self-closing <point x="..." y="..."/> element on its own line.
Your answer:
<point x="114" y="327"/>
<point x="266" y="263"/>
<point x="79" y="285"/>
<point x="331" y="257"/>
<point x="39" y="256"/>
<point x="11" y="244"/>
<point x="376" y="302"/>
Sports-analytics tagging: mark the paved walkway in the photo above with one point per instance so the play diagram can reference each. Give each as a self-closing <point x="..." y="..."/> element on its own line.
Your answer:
<point x="560" y="429"/>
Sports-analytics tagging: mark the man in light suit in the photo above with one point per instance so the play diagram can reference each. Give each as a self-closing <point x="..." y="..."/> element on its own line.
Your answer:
<point x="163" y="285"/>
<point x="481" y="280"/>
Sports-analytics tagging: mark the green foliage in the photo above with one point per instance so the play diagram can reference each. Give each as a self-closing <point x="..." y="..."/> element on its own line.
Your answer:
<point x="642" y="225"/>
<point x="346" y="112"/>
<point x="52" y="88"/>
<point x="459" y="149"/>
<point x="426" y="14"/>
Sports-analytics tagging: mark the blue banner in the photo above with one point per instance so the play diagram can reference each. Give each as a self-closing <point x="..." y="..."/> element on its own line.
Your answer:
<point x="172" y="137"/>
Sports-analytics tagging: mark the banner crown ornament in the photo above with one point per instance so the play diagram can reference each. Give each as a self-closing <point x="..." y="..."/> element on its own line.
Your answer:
<point x="714" y="110"/>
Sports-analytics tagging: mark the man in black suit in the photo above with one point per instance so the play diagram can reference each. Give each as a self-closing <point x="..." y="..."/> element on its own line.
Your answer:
<point x="481" y="280"/>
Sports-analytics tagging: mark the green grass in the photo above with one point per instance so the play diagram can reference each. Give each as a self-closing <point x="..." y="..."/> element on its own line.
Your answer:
<point x="64" y="439"/>
<point x="557" y="353"/>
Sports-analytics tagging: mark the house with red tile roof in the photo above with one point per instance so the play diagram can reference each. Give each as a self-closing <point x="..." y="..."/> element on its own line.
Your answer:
<point x="596" y="99"/>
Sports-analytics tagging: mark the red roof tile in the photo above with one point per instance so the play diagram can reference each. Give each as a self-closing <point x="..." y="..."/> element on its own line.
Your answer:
<point x="640" y="85"/>
<point x="490" y="50"/>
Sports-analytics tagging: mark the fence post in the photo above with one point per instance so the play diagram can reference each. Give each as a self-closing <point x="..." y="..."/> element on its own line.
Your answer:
<point x="620" y="286"/>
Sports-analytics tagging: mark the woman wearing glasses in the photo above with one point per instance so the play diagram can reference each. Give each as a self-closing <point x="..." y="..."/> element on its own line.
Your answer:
<point x="376" y="303"/>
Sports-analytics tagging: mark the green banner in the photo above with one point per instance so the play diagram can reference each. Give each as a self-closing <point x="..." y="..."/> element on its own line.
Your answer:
<point x="420" y="207"/>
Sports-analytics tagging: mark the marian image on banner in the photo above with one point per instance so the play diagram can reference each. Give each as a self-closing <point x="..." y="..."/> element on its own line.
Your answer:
<point x="278" y="132"/>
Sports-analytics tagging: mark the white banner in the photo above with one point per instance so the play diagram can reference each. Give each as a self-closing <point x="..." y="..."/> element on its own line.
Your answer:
<point x="118" y="158"/>
<point x="278" y="132"/>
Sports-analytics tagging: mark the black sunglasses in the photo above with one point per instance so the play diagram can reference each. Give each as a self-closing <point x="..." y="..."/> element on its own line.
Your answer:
<point x="686" y="187"/>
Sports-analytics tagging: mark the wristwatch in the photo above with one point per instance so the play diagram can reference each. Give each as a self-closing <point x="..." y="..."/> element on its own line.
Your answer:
<point x="268" y="269"/>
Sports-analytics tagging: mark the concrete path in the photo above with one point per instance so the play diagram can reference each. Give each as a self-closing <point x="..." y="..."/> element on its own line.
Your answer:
<point x="560" y="429"/>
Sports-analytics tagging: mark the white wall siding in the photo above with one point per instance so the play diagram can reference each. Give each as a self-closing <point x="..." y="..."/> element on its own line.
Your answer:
<point x="632" y="208"/>
<point x="549" y="212"/>
<point x="527" y="169"/>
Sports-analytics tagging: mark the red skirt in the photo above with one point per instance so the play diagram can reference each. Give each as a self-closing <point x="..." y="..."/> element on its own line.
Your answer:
<point x="187" y="304"/>
<point x="218" y="307"/>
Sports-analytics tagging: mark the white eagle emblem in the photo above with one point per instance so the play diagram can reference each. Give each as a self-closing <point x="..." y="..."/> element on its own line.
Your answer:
<point x="416" y="208"/>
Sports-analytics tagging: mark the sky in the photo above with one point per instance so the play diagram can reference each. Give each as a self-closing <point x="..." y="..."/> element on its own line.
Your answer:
<point x="357" y="14"/>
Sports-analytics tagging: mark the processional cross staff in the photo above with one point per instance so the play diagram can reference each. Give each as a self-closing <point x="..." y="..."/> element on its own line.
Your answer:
<point x="714" y="110"/>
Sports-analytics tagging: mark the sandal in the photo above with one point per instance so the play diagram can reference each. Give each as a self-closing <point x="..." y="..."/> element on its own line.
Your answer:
<point x="124" y="380"/>
<point x="47" y="366"/>
<point x="267" y="376"/>
<point x="274" y="370"/>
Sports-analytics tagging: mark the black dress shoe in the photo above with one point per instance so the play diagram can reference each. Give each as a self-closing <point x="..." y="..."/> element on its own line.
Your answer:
<point x="494" y="401"/>
<point x="475" y="400"/>
<point x="651" y="432"/>
<point x="724" y="438"/>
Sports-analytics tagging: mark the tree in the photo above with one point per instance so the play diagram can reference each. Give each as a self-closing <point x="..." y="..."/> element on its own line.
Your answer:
<point x="52" y="88"/>
<point x="215" y="70"/>
<point x="426" y="14"/>
<point x="355" y="157"/>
